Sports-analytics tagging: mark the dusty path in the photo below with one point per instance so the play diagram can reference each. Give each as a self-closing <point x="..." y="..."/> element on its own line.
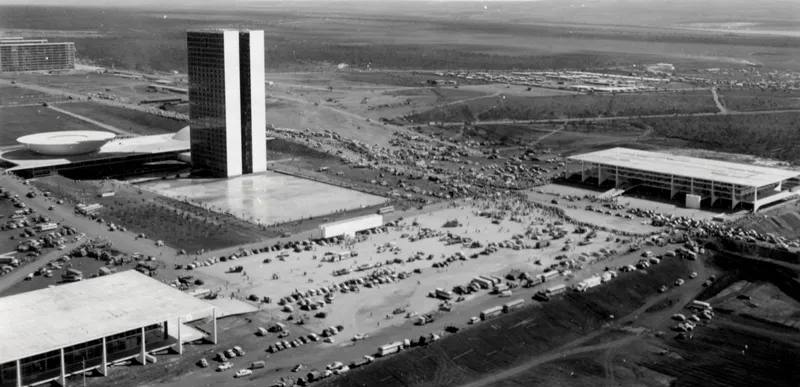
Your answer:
<point x="620" y="118"/>
<point x="720" y="105"/>
<point x="546" y="135"/>
<point x="44" y="89"/>
<point x="558" y="354"/>
<point x="656" y="320"/>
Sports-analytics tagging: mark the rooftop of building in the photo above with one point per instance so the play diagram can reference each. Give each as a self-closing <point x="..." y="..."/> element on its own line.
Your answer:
<point x="121" y="147"/>
<point x="354" y="219"/>
<point x="694" y="167"/>
<point x="223" y="29"/>
<point x="48" y="319"/>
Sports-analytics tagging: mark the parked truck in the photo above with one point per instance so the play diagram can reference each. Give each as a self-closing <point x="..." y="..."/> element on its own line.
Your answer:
<point x="391" y="348"/>
<point x="701" y="305"/>
<point x="424" y="319"/>
<point x="482" y="282"/>
<point x="588" y="283"/>
<point x="500" y="288"/>
<point x="549" y="275"/>
<point x="554" y="290"/>
<point x="72" y="275"/>
<point x="511" y="305"/>
<point x="491" y="312"/>
<point x="443" y="294"/>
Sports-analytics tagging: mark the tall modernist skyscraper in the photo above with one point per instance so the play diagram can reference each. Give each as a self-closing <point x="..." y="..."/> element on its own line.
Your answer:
<point x="227" y="101"/>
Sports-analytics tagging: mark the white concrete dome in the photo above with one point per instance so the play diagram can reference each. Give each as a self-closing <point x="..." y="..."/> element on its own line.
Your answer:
<point x="65" y="143"/>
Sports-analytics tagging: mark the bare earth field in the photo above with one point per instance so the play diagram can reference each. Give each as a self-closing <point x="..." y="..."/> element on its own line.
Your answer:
<point x="554" y="107"/>
<point x="87" y="83"/>
<point x="370" y="310"/>
<point x="762" y="301"/>
<point x="11" y="95"/>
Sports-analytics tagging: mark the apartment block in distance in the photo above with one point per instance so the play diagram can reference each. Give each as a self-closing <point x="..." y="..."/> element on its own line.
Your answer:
<point x="227" y="101"/>
<point x="18" y="54"/>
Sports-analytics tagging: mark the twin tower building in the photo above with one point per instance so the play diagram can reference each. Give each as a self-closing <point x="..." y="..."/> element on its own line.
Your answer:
<point x="227" y="101"/>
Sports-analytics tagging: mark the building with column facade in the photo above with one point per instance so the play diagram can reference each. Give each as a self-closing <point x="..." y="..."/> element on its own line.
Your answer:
<point x="698" y="179"/>
<point x="18" y="54"/>
<point x="49" y="334"/>
<point x="227" y="101"/>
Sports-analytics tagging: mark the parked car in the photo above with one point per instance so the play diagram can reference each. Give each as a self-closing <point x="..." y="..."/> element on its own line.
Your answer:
<point x="341" y="370"/>
<point x="225" y="366"/>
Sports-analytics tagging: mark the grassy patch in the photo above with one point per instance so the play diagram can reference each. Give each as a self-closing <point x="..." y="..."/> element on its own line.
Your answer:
<point x="21" y="120"/>
<point x="579" y="105"/>
<point x="179" y="224"/>
<point x="766" y="135"/>
<point x="126" y="119"/>
<point x="760" y="99"/>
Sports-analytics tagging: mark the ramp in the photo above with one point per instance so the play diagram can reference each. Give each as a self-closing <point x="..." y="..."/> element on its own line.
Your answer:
<point x="231" y="306"/>
<point x="612" y="193"/>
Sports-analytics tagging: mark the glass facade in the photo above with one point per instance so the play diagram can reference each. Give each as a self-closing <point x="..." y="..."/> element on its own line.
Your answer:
<point x="82" y="356"/>
<point x="8" y="374"/>
<point x="245" y="100"/>
<point x="124" y="344"/>
<point x="41" y="367"/>
<point x="79" y="357"/>
<point x="206" y="57"/>
<point x="37" y="56"/>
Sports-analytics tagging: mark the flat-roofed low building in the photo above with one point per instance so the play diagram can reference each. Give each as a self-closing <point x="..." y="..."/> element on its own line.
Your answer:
<point x="51" y="333"/>
<point x="36" y="55"/>
<point x="709" y="179"/>
<point x="349" y="227"/>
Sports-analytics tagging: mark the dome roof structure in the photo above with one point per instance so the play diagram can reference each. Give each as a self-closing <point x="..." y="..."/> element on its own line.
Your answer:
<point x="66" y="143"/>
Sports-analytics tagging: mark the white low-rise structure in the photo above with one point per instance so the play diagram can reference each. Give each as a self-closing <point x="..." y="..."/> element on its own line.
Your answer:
<point x="349" y="227"/>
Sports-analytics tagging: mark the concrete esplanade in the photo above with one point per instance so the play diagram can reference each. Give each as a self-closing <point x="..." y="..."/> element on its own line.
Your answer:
<point x="65" y="143"/>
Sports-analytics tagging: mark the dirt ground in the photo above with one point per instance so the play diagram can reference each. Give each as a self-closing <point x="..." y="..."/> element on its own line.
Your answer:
<point x="547" y="192"/>
<point x="763" y="301"/>
<point x="366" y="312"/>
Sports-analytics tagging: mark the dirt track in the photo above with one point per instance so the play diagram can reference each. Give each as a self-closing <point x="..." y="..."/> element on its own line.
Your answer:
<point x="639" y="317"/>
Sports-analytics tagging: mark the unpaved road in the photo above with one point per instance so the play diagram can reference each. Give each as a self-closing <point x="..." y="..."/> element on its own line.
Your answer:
<point x="718" y="102"/>
<point x="620" y="118"/>
<point x="651" y="321"/>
